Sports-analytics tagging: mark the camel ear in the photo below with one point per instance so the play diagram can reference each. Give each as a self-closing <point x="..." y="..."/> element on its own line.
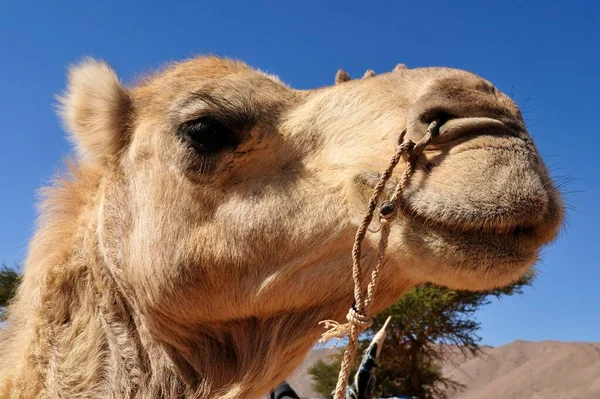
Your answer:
<point x="95" y="109"/>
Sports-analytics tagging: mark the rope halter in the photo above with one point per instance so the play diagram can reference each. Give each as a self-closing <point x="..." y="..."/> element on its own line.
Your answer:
<point x="357" y="317"/>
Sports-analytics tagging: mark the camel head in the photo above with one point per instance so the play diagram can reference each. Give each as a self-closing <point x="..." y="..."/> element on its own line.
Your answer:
<point x="227" y="202"/>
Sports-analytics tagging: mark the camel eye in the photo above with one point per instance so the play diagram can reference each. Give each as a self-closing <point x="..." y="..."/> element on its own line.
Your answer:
<point x="207" y="135"/>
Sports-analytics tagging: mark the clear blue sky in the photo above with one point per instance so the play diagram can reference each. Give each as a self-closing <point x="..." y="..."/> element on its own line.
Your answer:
<point x="545" y="53"/>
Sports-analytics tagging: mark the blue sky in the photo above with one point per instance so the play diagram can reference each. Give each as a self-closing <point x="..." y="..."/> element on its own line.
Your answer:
<point x="545" y="53"/>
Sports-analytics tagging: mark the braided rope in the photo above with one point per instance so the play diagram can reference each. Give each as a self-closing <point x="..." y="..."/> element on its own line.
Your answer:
<point x="357" y="317"/>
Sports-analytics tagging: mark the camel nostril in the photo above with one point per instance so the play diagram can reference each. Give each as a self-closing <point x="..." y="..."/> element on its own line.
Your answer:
<point x="438" y="115"/>
<point x="470" y="126"/>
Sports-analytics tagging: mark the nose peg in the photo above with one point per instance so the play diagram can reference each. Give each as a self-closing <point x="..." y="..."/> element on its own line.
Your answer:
<point x="386" y="209"/>
<point x="434" y="128"/>
<point x="433" y="131"/>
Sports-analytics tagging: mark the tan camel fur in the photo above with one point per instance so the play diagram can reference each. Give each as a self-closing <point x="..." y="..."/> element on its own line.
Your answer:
<point x="206" y="226"/>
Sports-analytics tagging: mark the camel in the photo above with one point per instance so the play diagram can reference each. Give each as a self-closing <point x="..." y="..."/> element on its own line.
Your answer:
<point x="205" y="224"/>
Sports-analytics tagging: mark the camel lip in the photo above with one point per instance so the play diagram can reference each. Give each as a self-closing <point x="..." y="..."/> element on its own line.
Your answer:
<point x="484" y="228"/>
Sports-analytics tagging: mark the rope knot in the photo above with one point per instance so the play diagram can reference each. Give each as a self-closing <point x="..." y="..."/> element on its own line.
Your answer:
<point x="340" y="330"/>
<point x="361" y="321"/>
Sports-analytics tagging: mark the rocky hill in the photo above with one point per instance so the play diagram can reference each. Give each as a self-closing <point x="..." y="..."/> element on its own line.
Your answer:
<point x="519" y="370"/>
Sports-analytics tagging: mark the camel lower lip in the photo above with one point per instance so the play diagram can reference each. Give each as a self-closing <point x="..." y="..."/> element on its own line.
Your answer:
<point x="484" y="230"/>
<point x="499" y="231"/>
<point x="510" y="245"/>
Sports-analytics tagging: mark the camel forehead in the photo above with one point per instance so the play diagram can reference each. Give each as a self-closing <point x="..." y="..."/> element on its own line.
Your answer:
<point x="155" y="92"/>
<point x="185" y="73"/>
<point x="199" y="68"/>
